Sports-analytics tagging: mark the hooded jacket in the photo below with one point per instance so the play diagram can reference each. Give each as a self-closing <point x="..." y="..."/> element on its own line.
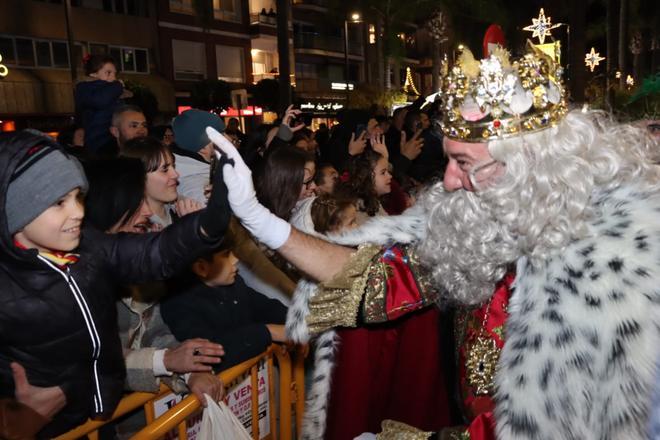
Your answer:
<point x="61" y="324"/>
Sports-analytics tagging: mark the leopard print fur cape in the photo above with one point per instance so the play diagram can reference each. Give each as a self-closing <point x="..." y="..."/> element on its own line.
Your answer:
<point x="583" y="332"/>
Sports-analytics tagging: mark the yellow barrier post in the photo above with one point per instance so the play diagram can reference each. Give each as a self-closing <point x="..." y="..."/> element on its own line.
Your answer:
<point x="254" y="382"/>
<point x="284" y="362"/>
<point x="271" y="399"/>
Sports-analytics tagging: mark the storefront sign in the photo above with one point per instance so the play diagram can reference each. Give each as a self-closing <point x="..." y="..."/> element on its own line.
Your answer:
<point x="230" y="112"/>
<point x="321" y="107"/>
<point x="341" y="86"/>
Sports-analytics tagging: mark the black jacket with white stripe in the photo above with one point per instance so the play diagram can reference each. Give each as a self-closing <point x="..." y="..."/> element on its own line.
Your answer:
<point x="61" y="325"/>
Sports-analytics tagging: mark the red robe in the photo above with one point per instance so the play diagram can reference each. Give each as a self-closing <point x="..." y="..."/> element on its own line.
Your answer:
<point x="391" y="370"/>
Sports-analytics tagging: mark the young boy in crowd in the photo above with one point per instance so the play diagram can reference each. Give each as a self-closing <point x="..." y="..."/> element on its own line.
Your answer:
<point x="214" y="303"/>
<point x="60" y="357"/>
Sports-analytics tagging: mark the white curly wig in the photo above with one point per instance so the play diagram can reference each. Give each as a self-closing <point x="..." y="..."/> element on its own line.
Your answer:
<point x="541" y="202"/>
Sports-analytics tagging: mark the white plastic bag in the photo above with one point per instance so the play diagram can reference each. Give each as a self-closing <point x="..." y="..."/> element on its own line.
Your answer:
<point x="219" y="423"/>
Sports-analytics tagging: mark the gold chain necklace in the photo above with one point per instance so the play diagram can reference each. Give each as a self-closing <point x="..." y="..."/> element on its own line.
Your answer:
<point x="482" y="359"/>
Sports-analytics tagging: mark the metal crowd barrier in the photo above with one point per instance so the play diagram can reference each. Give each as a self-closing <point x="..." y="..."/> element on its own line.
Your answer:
<point x="291" y="391"/>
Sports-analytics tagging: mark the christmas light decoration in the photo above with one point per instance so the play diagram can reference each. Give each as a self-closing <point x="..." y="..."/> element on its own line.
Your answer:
<point x="592" y="59"/>
<point x="4" y="71"/>
<point x="409" y="84"/>
<point x="541" y="27"/>
<point x="437" y="27"/>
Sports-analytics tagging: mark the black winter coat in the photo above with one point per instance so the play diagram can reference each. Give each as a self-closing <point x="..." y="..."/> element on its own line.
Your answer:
<point x="61" y="326"/>
<point x="234" y="316"/>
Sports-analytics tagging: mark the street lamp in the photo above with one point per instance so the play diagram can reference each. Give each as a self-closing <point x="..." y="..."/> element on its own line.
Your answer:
<point x="354" y="18"/>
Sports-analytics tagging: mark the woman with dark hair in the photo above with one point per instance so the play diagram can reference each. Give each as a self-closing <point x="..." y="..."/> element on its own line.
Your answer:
<point x="286" y="177"/>
<point x="162" y="180"/>
<point x="96" y="98"/>
<point x="115" y="199"/>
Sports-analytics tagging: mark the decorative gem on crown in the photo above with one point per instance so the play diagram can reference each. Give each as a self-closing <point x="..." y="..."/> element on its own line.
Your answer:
<point x="495" y="98"/>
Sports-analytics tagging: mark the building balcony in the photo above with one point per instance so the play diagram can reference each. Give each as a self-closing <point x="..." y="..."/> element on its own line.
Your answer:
<point x="326" y="43"/>
<point x="263" y="19"/>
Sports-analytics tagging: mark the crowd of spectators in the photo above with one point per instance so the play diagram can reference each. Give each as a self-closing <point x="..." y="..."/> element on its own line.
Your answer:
<point x="150" y="237"/>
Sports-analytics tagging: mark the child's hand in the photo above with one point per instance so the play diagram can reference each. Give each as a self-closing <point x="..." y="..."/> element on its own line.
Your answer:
<point x="46" y="401"/>
<point x="184" y="206"/>
<point x="206" y="383"/>
<point x="277" y="332"/>
<point x="378" y="145"/>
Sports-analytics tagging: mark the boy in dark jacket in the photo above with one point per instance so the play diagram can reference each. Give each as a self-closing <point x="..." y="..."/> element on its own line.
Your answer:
<point x="60" y="353"/>
<point x="215" y="304"/>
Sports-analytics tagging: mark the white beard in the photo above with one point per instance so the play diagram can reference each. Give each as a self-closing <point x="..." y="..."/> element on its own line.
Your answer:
<point x="467" y="249"/>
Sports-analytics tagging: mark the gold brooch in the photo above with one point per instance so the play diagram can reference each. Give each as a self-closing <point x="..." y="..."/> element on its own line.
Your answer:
<point x="481" y="364"/>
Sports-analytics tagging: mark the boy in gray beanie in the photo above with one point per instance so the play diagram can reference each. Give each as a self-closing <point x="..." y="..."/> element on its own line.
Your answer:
<point x="61" y="359"/>
<point x="42" y="177"/>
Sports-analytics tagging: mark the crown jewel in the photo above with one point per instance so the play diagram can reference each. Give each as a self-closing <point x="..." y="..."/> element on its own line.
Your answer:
<point x="495" y="98"/>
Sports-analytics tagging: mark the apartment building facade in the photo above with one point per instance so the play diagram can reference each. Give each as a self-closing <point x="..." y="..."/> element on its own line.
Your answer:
<point x="34" y="44"/>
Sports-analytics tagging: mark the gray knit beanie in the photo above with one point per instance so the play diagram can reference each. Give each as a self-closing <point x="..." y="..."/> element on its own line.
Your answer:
<point x="41" y="178"/>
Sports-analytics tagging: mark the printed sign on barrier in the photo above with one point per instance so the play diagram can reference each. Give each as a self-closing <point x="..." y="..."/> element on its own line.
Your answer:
<point x="238" y="399"/>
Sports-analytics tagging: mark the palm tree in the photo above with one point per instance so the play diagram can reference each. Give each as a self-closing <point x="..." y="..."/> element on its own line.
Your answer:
<point x="623" y="34"/>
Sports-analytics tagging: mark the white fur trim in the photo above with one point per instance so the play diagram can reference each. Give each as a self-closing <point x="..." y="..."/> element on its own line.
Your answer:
<point x="583" y="335"/>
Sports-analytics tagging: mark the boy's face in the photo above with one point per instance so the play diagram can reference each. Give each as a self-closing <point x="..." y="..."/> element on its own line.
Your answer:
<point x="57" y="228"/>
<point x="221" y="271"/>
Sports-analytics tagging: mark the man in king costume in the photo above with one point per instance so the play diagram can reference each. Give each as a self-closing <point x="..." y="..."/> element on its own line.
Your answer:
<point x="547" y="223"/>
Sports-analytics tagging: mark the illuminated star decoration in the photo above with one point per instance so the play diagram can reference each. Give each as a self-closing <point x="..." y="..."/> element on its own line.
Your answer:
<point x="593" y="59"/>
<point x="3" y="69"/>
<point x="541" y="27"/>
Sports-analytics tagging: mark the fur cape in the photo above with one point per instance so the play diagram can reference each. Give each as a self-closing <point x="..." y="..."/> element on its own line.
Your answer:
<point x="582" y="336"/>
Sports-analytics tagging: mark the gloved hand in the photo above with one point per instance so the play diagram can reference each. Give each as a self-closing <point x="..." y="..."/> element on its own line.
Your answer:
<point x="214" y="220"/>
<point x="264" y="225"/>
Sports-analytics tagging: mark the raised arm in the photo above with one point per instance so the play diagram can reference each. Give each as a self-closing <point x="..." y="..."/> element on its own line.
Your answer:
<point x="317" y="258"/>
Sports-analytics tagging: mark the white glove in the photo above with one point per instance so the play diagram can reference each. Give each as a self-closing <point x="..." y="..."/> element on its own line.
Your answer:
<point x="263" y="224"/>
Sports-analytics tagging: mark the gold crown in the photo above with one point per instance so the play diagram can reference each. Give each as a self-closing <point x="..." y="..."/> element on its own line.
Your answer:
<point x="495" y="98"/>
